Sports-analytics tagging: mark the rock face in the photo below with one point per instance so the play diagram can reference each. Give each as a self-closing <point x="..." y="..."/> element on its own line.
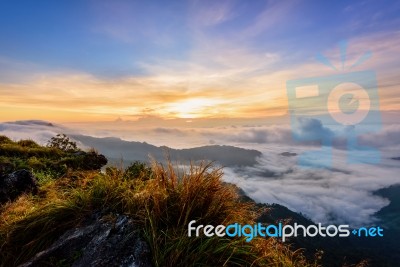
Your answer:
<point x="14" y="184"/>
<point x="99" y="242"/>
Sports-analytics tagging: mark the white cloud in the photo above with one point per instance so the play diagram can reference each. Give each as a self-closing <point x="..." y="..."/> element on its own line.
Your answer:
<point x="340" y="194"/>
<point x="343" y="194"/>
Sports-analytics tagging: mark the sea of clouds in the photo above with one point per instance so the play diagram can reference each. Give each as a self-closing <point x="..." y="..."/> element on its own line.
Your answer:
<point x="342" y="193"/>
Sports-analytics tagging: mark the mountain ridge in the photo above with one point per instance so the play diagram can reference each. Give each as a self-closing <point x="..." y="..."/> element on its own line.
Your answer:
<point x="116" y="149"/>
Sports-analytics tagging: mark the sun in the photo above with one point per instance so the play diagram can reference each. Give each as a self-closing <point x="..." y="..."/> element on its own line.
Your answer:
<point x="193" y="108"/>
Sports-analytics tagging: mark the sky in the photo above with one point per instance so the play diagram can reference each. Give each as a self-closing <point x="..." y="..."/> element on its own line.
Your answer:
<point x="195" y="73"/>
<point x="81" y="61"/>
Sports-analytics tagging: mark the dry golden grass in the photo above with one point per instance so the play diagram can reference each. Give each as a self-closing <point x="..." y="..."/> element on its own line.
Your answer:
<point x="161" y="202"/>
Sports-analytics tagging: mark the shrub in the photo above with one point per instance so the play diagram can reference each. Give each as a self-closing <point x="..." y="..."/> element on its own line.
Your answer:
<point x="5" y="140"/>
<point x="63" y="142"/>
<point x="138" y="170"/>
<point x="26" y="154"/>
<point x="28" y="143"/>
<point x="6" y="165"/>
<point x="93" y="161"/>
<point x="36" y="164"/>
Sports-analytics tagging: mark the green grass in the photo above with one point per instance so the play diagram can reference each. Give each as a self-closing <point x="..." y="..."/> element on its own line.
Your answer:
<point x="26" y="154"/>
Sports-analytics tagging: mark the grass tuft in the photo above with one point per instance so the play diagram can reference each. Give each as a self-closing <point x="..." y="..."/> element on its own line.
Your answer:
<point x="161" y="200"/>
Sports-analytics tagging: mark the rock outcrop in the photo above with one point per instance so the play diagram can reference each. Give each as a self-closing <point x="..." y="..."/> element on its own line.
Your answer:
<point x="101" y="241"/>
<point x="16" y="183"/>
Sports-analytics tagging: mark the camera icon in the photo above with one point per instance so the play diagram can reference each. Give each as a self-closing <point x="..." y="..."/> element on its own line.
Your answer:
<point x="335" y="110"/>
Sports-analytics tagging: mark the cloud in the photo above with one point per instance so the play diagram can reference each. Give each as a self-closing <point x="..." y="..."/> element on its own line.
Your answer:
<point x="36" y="130"/>
<point x="312" y="129"/>
<point x="133" y="22"/>
<point x="306" y="133"/>
<point x="274" y="13"/>
<point x="176" y="132"/>
<point x="340" y="194"/>
<point x="343" y="194"/>
<point x="39" y="131"/>
<point x="239" y="81"/>
<point x="257" y="135"/>
<point x="210" y="13"/>
<point x="389" y="137"/>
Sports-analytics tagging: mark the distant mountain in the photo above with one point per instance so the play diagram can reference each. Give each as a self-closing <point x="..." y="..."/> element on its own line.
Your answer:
<point x="32" y="123"/>
<point x="116" y="149"/>
<point x="383" y="251"/>
<point x="338" y="251"/>
<point x="390" y="215"/>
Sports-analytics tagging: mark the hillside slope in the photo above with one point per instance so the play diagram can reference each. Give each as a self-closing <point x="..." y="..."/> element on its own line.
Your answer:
<point x="75" y="218"/>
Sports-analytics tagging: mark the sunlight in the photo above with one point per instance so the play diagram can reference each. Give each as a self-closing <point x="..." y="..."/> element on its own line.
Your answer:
<point x="193" y="108"/>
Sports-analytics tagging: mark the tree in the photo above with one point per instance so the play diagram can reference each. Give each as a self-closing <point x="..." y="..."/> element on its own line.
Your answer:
<point x="63" y="142"/>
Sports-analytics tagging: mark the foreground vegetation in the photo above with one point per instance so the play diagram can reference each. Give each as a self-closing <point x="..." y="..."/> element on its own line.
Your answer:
<point x="55" y="159"/>
<point x="161" y="200"/>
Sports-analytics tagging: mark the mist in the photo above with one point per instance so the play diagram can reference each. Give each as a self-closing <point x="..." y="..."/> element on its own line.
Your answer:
<point x="342" y="193"/>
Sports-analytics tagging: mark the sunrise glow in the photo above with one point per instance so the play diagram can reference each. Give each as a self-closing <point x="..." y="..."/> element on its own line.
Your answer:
<point x="199" y="60"/>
